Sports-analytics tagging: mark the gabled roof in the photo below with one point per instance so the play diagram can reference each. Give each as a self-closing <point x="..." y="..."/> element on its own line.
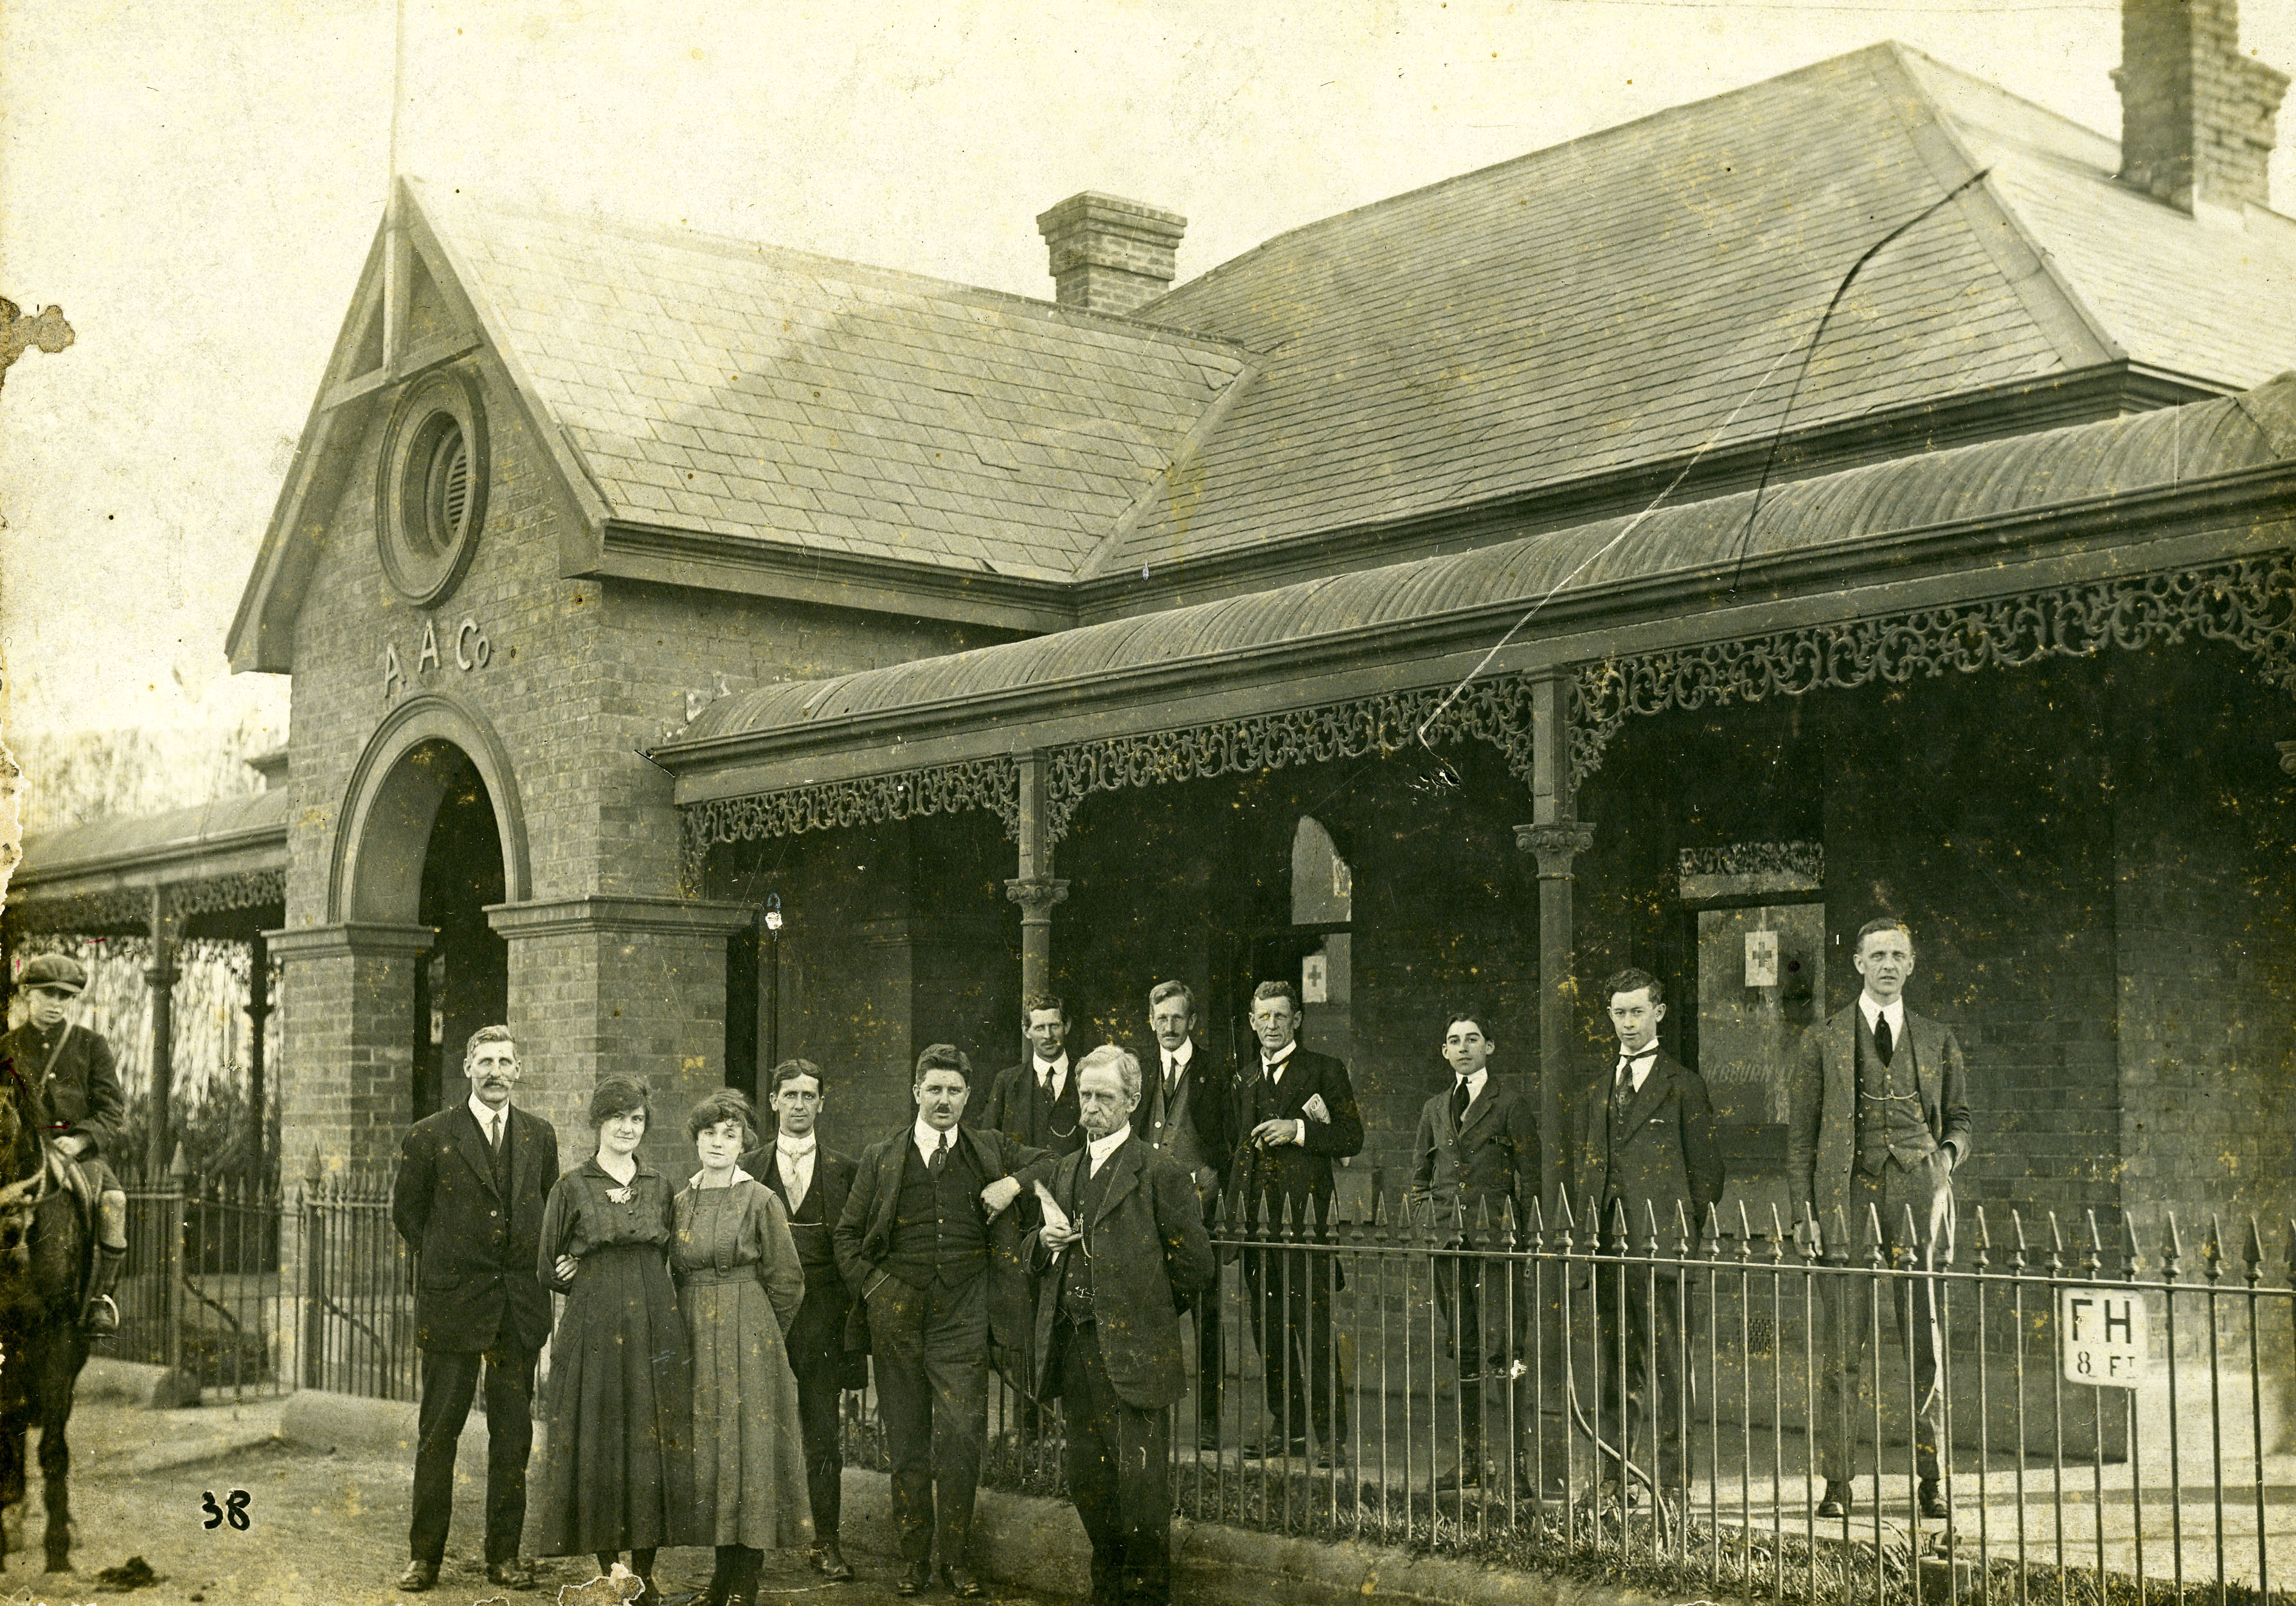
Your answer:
<point x="1816" y="538"/>
<point x="1613" y="300"/>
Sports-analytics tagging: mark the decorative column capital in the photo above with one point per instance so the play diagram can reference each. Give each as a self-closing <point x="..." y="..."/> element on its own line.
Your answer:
<point x="1556" y="843"/>
<point x="163" y="973"/>
<point x="2287" y="756"/>
<point x="1036" y="895"/>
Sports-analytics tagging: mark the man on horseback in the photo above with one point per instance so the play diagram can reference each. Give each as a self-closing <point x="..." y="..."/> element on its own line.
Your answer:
<point x="70" y="1071"/>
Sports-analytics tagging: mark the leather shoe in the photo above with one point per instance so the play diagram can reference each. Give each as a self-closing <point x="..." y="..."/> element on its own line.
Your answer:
<point x="1932" y="1501"/>
<point x="916" y="1580"/>
<point x="512" y="1572"/>
<point x="962" y="1583"/>
<point x="419" y="1574"/>
<point x="829" y="1562"/>
<point x="1836" y="1501"/>
<point x="1273" y="1450"/>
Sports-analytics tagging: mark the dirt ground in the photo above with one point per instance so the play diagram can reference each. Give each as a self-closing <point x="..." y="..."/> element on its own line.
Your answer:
<point x="326" y="1527"/>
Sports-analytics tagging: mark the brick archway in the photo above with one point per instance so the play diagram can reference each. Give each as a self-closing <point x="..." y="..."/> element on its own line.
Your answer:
<point x="375" y="871"/>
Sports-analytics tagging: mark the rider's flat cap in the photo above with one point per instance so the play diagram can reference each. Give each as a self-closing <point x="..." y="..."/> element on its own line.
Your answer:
<point x="54" y="970"/>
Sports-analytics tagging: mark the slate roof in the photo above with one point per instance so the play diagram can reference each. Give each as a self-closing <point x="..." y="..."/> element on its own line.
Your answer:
<point x="2057" y="468"/>
<point x="738" y="388"/>
<point x="1612" y="301"/>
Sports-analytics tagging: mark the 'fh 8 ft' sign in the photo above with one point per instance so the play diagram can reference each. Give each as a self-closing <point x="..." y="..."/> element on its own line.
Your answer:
<point x="2103" y="1335"/>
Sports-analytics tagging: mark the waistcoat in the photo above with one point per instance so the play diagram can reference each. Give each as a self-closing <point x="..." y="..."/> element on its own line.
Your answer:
<point x="1889" y="1120"/>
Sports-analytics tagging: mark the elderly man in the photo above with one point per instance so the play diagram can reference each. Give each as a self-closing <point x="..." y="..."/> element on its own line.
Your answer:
<point x="469" y="1197"/>
<point x="925" y="1243"/>
<point x="78" y="1080"/>
<point x="1877" y="1123"/>
<point x="1122" y="1249"/>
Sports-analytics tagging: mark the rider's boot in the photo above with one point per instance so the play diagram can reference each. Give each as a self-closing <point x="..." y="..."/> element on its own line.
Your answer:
<point x="101" y="1318"/>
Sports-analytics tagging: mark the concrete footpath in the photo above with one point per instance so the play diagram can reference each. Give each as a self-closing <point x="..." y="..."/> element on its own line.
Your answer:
<point x="1027" y="1543"/>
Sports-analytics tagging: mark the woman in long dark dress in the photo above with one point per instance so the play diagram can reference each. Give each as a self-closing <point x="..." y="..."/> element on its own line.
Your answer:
<point x="616" y="1473"/>
<point x="741" y="1283"/>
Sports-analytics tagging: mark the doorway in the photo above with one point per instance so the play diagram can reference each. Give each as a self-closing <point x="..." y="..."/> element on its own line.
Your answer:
<point x="465" y="981"/>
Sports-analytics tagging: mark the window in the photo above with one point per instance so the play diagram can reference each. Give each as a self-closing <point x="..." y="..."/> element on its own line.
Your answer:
<point x="432" y="496"/>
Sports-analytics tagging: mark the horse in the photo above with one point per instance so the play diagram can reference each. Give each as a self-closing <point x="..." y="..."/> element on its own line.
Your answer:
<point x="45" y="1246"/>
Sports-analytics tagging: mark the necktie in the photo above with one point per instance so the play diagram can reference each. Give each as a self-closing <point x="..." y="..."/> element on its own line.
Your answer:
<point x="1627" y="1064"/>
<point x="1885" y="1041"/>
<point x="1459" y="1101"/>
<point x="494" y="1131"/>
<point x="1171" y="1079"/>
<point x="940" y="1155"/>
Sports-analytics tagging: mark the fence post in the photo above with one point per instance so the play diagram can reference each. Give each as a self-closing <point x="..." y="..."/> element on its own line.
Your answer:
<point x="314" y="1257"/>
<point x="171" y="1257"/>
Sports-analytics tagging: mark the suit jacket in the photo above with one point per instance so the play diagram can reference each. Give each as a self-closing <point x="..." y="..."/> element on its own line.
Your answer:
<point x="1017" y="1108"/>
<point x="1488" y="1158"/>
<point x="1665" y="1152"/>
<point x="1210" y="1087"/>
<point x="1821" y="1104"/>
<point x="478" y="1250"/>
<point x="864" y="1231"/>
<point x="1149" y="1248"/>
<point x="824" y="1323"/>
<point x="77" y="1077"/>
<point x="1296" y="1174"/>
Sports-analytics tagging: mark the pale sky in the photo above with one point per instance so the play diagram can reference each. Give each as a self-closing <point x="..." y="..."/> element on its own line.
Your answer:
<point x="196" y="185"/>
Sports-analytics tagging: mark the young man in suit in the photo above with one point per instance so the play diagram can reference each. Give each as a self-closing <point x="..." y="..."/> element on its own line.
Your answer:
<point x="1476" y="1155"/>
<point x="814" y="1181"/>
<point x="1034" y="1103"/>
<point x="1189" y="1117"/>
<point x="1647" y="1145"/>
<point x="468" y="1200"/>
<point x="1125" y="1250"/>
<point x="1299" y="1114"/>
<point x="927" y="1244"/>
<point x="1877" y="1123"/>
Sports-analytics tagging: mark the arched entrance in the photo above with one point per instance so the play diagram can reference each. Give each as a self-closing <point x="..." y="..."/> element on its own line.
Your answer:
<point x="465" y="981"/>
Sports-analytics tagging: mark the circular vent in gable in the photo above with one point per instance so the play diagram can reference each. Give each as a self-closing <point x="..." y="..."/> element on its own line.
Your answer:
<point x="432" y="496"/>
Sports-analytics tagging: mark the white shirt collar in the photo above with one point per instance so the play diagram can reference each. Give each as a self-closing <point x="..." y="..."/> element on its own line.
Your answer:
<point x="1178" y="1059"/>
<point x="797" y="1148"/>
<point x="1057" y="1068"/>
<point x="1474" y="1083"/>
<point x="927" y="1138"/>
<point x="1894" y="1012"/>
<point x="485" y="1116"/>
<point x="1100" y="1148"/>
<point x="1639" y="1065"/>
<point x="1268" y="1062"/>
<point x="740" y="1175"/>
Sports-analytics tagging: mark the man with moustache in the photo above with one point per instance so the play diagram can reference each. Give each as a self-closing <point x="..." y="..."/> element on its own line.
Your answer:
<point x="1122" y="1247"/>
<point x="1189" y="1117"/>
<point x="1476" y="1155"/>
<point x="1647" y="1145"/>
<point x="77" y="1080"/>
<point x="814" y="1181"/>
<point x="469" y="1200"/>
<point x="926" y="1243"/>
<point x="1035" y="1102"/>
<point x="1299" y="1111"/>
<point x="1877" y="1123"/>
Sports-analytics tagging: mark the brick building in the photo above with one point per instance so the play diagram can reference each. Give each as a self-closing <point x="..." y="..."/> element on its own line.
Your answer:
<point x="1528" y="575"/>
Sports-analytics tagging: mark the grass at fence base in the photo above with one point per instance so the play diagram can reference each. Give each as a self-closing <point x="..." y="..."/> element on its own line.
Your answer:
<point x="218" y="1357"/>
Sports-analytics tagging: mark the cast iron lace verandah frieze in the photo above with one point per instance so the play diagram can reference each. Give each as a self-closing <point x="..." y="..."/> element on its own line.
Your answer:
<point x="130" y="907"/>
<point x="1495" y="710"/>
<point x="2249" y="603"/>
<point x="991" y="783"/>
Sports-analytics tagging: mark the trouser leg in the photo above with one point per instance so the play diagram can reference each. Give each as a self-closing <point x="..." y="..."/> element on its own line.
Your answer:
<point x="1326" y="1384"/>
<point x="897" y="1336"/>
<point x="1268" y="1276"/>
<point x="509" y="1437"/>
<point x="817" y="1397"/>
<point x="956" y="1372"/>
<point x="1912" y="1192"/>
<point x="1144" y="1488"/>
<point x="450" y="1377"/>
<point x="1092" y="1461"/>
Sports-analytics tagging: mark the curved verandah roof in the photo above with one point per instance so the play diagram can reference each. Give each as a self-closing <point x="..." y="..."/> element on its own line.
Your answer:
<point x="1823" y="548"/>
<point x="226" y="855"/>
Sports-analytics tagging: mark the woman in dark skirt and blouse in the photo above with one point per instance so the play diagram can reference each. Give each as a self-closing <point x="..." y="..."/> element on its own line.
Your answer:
<point x="618" y="1472"/>
<point x="741" y="1283"/>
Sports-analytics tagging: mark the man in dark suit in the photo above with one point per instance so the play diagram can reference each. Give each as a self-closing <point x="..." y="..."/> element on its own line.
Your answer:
<point x="926" y="1241"/>
<point x="1299" y="1113"/>
<point x="1647" y="1146"/>
<point x="1189" y="1117"/>
<point x="1122" y="1249"/>
<point x="1034" y="1103"/>
<point x="814" y="1181"/>
<point x="1475" y="1157"/>
<point x="1877" y="1123"/>
<point x="471" y="1183"/>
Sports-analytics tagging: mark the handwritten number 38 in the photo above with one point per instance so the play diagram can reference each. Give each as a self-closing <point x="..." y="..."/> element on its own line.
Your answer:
<point x="233" y="1509"/>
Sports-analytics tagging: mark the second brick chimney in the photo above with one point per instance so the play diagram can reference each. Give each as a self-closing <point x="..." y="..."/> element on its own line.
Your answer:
<point x="1110" y="254"/>
<point x="2196" y="115"/>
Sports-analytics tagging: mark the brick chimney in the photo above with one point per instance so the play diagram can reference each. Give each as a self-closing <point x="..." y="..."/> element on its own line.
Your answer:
<point x="2196" y="115"/>
<point x="1110" y="254"/>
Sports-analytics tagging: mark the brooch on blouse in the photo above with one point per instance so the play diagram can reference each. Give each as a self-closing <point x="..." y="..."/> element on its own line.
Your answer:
<point x="621" y="1195"/>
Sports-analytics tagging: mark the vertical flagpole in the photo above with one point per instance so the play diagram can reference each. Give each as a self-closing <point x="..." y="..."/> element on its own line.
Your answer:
<point x="394" y="234"/>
